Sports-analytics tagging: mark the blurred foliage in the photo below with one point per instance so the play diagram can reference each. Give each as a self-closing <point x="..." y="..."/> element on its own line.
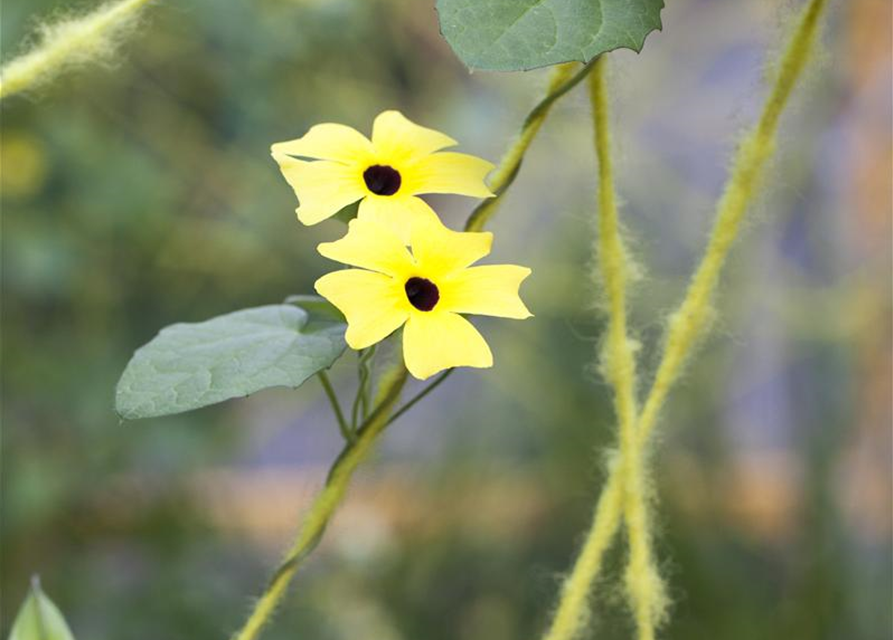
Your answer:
<point x="143" y="194"/>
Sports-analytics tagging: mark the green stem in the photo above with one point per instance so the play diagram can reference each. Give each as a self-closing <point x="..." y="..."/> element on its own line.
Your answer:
<point x="431" y="386"/>
<point x="563" y="79"/>
<point x="359" y="410"/>
<point x="691" y="320"/>
<point x="645" y="589"/>
<point x="618" y="366"/>
<point x="687" y="325"/>
<point x="323" y="508"/>
<point x="69" y="43"/>
<point x="346" y="430"/>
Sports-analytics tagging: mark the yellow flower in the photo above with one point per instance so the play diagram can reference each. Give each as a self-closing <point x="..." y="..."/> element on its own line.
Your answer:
<point x="386" y="173"/>
<point x="424" y="290"/>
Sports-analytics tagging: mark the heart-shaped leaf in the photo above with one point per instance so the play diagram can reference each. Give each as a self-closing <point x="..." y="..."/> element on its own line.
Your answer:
<point x="515" y="35"/>
<point x="187" y="366"/>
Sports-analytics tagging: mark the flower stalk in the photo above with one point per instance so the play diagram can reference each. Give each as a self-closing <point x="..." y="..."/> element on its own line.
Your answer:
<point x="347" y="431"/>
<point x="360" y="410"/>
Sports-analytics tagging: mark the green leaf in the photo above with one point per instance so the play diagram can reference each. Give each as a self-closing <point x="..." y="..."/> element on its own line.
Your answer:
<point x="39" y="619"/>
<point x="515" y="35"/>
<point x="188" y="366"/>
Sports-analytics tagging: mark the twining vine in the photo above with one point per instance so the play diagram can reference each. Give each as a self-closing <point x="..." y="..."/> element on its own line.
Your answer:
<point x="624" y="496"/>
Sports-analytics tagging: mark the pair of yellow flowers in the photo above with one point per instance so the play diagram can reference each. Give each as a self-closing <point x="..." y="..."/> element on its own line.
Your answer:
<point x="412" y="271"/>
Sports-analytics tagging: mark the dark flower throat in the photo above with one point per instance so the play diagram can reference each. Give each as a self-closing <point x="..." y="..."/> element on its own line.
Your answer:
<point x="382" y="180"/>
<point x="422" y="293"/>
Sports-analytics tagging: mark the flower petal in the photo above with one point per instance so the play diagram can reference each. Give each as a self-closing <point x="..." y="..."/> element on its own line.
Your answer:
<point x="323" y="188"/>
<point x="441" y="251"/>
<point x="398" y="213"/>
<point x="437" y="340"/>
<point x="449" y="172"/>
<point x="490" y="290"/>
<point x="371" y="245"/>
<point x="396" y="138"/>
<point x="375" y="305"/>
<point x="328" y="141"/>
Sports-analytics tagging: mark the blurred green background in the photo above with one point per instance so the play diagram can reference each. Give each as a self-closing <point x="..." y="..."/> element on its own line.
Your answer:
<point x="143" y="194"/>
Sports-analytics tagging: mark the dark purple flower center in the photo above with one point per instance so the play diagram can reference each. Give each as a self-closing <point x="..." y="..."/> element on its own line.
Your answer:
<point x="382" y="180"/>
<point x="422" y="293"/>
